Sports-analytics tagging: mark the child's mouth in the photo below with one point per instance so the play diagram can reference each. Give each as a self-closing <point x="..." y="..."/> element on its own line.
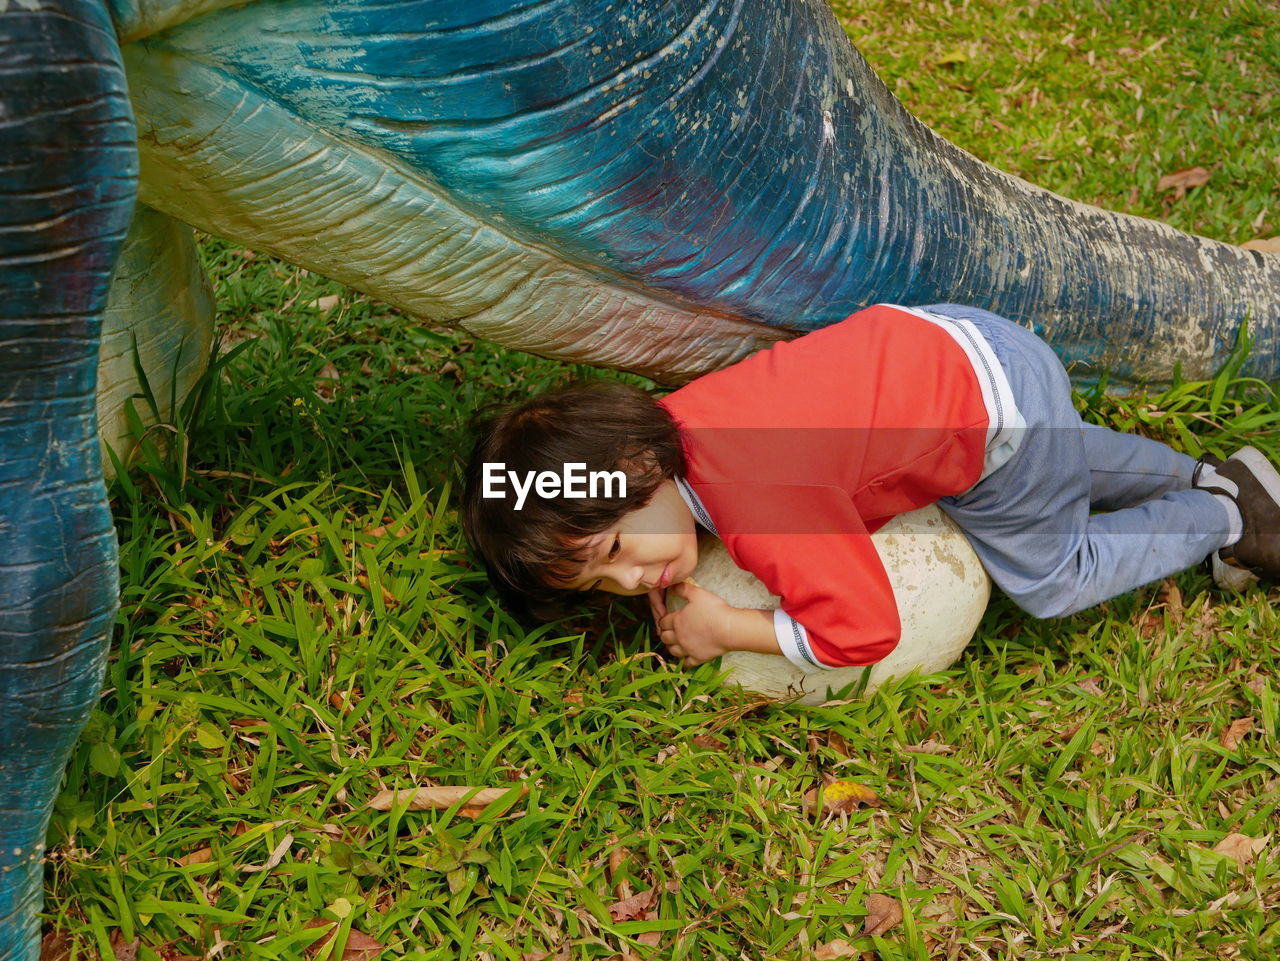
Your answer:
<point x="665" y="578"/>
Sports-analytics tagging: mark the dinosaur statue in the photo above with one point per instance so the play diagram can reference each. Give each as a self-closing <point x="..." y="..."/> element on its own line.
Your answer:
<point x="657" y="185"/>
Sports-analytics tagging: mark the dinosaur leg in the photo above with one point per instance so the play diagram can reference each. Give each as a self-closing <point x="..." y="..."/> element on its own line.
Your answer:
<point x="68" y="175"/>
<point x="159" y="315"/>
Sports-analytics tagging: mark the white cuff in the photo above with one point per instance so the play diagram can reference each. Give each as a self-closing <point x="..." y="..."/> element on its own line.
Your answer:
<point x="793" y="641"/>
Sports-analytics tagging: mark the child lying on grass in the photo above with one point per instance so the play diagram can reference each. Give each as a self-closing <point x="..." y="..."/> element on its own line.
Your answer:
<point x="794" y="455"/>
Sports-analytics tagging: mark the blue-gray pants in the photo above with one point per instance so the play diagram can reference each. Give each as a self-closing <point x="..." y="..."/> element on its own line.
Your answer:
<point x="1029" y="521"/>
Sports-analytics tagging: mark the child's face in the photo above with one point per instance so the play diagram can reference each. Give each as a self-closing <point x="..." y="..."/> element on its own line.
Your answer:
<point x="653" y="547"/>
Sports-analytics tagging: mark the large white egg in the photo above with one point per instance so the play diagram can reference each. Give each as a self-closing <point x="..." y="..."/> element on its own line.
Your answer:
<point x="938" y="582"/>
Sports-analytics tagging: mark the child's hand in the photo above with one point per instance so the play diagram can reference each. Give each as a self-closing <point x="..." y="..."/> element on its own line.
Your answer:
<point x="700" y="631"/>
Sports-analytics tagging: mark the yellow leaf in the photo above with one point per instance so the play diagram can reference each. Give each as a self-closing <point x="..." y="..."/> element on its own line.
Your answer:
<point x="840" y="796"/>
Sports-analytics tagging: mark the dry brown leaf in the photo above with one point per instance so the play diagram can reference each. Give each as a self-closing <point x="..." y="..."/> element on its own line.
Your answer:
<point x="709" y="743"/>
<point x="1235" y="733"/>
<point x="382" y="531"/>
<point x="666" y="754"/>
<point x="327" y="302"/>
<point x="124" y="951"/>
<point x="327" y="382"/>
<point x="837" y="743"/>
<point x="202" y="856"/>
<point x="277" y="855"/>
<point x="1228" y="900"/>
<point x="1242" y="847"/>
<point x="1170" y="595"/>
<point x="1091" y="686"/>
<point x="1268" y="245"/>
<point x="55" y="946"/>
<point x="839" y="948"/>
<point x="929" y="747"/>
<point x="359" y="946"/>
<point x="617" y="861"/>
<point x="840" y="796"/>
<point x="439" y="798"/>
<point x="883" y="913"/>
<point x="1180" y="181"/>
<point x="650" y="938"/>
<point x="634" y="908"/>
<point x="1257" y="684"/>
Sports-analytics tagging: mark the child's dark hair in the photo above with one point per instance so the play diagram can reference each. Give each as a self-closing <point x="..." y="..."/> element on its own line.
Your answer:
<point x="606" y="425"/>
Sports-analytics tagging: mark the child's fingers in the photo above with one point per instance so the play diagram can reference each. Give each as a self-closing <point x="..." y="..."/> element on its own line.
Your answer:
<point x="684" y="588"/>
<point x="658" y="602"/>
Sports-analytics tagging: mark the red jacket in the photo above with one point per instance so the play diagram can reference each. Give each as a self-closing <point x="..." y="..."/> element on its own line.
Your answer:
<point x="802" y="450"/>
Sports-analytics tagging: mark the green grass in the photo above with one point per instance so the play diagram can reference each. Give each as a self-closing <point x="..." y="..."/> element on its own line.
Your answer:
<point x="300" y="628"/>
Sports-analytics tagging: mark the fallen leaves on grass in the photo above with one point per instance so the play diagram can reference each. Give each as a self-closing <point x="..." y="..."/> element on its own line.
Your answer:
<point x="439" y="798"/>
<point x="1242" y="847"/>
<point x="617" y="863"/>
<point x="929" y="747"/>
<point x="634" y="908"/>
<point x="883" y="914"/>
<point x="1170" y="595"/>
<point x="839" y="948"/>
<point x="1267" y="245"/>
<point x="1090" y="685"/>
<point x="326" y="303"/>
<point x="359" y="946"/>
<point x="641" y="906"/>
<point x="1235" y="733"/>
<point x="55" y="946"/>
<point x="277" y="855"/>
<point x="710" y="743"/>
<point x="383" y="531"/>
<point x="202" y="856"/>
<point x="837" y="796"/>
<point x="1180" y="181"/>
<point x="122" y="949"/>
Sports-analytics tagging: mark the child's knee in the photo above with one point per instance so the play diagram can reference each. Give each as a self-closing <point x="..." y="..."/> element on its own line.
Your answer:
<point x="1045" y="604"/>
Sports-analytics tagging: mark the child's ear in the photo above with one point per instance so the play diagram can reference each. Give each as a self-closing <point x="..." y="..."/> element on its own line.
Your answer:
<point x="639" y="464"/>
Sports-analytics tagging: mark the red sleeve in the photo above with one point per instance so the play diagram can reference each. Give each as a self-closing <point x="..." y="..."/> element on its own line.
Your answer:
<point x="809" y="546"/>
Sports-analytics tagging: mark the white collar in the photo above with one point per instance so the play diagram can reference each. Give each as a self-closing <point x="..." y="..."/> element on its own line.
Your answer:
<point x="694" y="503"/>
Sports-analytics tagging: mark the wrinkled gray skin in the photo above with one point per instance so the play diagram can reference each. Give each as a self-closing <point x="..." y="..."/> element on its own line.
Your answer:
<point x="663" y="186"/>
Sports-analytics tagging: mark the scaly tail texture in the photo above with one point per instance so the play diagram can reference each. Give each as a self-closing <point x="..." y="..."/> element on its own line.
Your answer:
<point x="657" y="184"/>
<point x="68" y="163"/>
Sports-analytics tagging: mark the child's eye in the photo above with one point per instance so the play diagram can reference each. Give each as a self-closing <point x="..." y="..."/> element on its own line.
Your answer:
<point x="617" y="546"/>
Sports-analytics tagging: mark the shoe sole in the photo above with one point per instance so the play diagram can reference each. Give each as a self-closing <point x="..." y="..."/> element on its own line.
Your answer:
<point x="1263" y="471"/>
<point x="1228" y="576"/>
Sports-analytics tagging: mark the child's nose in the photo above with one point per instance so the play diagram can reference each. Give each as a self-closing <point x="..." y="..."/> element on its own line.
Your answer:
<point x="630" y="577"/>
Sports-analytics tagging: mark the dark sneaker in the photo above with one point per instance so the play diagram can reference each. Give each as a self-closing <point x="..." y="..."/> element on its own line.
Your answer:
<point x="1225" y="574"/>
<point x="1248" y="478"/>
